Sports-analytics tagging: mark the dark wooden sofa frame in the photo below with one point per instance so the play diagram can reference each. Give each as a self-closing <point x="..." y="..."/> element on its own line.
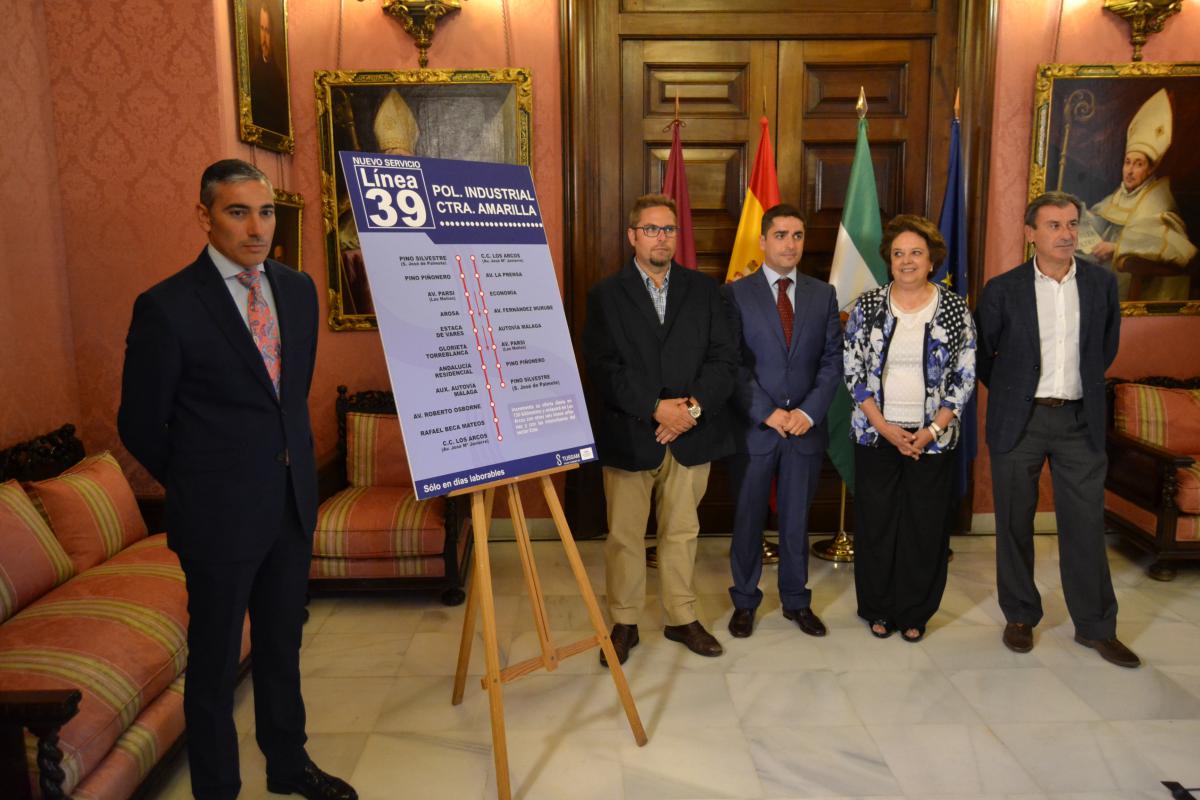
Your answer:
<point x="1145" y="474"/>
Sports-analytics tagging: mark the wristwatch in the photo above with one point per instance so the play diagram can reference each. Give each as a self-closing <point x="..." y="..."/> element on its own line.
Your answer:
<point x="694" y="409"/>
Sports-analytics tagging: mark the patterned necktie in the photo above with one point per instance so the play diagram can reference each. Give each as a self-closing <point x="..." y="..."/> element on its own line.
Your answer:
<point x="262" y="324"/>
<point x="786" y="315"/>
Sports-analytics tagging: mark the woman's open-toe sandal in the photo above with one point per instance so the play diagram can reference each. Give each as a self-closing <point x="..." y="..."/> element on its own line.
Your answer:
<point x="908" y="635"/>
<point x="881" y="628"/>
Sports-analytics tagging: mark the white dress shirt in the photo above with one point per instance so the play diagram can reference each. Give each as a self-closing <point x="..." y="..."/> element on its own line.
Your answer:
<point x="241" y="295"/>
<point x="773" y="281"/>
<point x="1058" y="327"/>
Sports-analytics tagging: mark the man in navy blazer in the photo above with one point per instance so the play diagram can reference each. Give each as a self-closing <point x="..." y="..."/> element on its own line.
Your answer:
<point x="218" y="414"/>
<point x="1048" y="330"/>
<point x="791" y="343"/>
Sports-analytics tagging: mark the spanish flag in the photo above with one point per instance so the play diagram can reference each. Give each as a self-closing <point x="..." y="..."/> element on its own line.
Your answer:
<point x="761" y="194"/>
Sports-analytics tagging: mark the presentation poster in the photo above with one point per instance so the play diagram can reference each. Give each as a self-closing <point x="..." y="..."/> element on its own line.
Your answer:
<point x="473" y="329"/>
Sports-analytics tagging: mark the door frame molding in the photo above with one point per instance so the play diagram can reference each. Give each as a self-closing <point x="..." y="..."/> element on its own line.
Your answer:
<point x="590" y="49"/>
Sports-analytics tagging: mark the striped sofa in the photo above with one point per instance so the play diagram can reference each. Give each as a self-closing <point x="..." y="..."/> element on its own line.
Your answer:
<point x="93" y="624"/>
<point x="372" y="533"/>
<point x="1152" y="490"/>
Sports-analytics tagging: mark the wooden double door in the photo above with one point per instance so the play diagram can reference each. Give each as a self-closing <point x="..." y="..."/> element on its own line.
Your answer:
<point x="629" y="65"/>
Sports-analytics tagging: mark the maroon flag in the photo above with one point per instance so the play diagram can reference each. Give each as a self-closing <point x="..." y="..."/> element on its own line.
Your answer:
<point x="675" y="187"/>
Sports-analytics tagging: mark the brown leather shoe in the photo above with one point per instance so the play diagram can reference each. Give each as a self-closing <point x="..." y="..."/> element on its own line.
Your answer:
<point x="741" y="624"/>
<point x="624" y="638"/>
<point x="1018" y="637"/>
<point x="695" y="638"/>
<point x="806" y="620"/>
<point x="1112" y="651"/>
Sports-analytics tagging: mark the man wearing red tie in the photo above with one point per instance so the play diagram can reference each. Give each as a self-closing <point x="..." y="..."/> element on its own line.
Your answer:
<point x="791" y="343"/>
<point x="214" y="404"/>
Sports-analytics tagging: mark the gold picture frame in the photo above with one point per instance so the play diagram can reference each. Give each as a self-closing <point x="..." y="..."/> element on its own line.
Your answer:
<point x="263" y="93"/>
<point x="1082" y="113"/>
<point x="476" y="114"/>
<point x="287" y="244"/>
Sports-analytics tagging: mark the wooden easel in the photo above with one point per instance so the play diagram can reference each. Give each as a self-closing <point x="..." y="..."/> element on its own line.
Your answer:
<point x="479" y="596"/>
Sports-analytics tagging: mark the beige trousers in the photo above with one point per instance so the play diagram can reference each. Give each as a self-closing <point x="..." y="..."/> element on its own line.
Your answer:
<point x="677" y="491"/>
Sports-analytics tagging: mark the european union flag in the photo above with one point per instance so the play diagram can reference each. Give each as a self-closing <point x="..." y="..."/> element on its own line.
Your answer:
<point x="953" y="273"/>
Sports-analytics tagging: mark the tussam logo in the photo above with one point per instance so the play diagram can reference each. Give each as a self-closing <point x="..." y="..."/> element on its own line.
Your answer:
<point x="567" y="458"/>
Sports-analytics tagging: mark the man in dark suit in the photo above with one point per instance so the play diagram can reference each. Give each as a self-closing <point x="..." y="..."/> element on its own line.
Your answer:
<point x="662" y="359"/>
<point x="1048" y="330"/>
<point x="214" y="403"/>
<point x="791" y="342"/>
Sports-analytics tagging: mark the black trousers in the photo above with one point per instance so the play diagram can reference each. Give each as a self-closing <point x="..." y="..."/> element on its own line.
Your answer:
<point x="901" y="541"/>
<point x="1058" y="435"/>
<point x="273" y="589"/>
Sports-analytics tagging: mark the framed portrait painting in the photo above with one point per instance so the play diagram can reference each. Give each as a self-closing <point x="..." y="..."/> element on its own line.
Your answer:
<point x="264" y="101"/>
<point x="285" y="246"/>
<point x="474" y="115"/>
<point x="1118" y="136"/>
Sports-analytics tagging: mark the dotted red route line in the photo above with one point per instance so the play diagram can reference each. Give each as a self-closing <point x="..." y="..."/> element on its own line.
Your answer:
<point x="487" y="317"/>
<point x="462" y="276"/>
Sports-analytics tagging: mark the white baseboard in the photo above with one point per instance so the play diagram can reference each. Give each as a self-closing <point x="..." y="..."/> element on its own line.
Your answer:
<point x="1043" y="522"/>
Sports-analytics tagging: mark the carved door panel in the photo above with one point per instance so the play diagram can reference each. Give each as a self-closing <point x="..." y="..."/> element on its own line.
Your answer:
<point x="819" y="83"/>
<point x="799" y="63"/>
<point x="723" y="88"/>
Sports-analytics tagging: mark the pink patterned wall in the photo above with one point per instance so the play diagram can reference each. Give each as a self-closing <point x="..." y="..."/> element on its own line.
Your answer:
<point x="1029" y="35"/>
<point x="142" y="99"/>
<point x="134" y="105"/>
<point x="37" y="365"/>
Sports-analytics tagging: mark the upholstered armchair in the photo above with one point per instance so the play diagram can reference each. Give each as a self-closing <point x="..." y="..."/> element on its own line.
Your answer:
<point x="373" y="534"/>
<point x="1152" y="490"/>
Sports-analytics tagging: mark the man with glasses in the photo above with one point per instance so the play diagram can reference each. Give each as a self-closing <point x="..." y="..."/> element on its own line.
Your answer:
<point x="662" y="360"/>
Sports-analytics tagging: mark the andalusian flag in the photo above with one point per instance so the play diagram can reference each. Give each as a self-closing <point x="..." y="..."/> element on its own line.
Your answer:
<point x="675" y="187"/>
<point x="857" y="268"/>
<point x="761" y="194"/>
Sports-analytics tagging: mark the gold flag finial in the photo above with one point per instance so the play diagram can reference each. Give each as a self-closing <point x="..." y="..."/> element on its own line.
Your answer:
<point x="861" y="105"/>
<point x="957" y="105"/>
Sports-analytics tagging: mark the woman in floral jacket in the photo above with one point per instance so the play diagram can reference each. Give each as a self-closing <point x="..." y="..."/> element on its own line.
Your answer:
<point x="909" y="365"/>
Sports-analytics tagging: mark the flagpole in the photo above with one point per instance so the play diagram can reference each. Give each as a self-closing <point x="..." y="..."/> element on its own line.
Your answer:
<point x="840" y="548"/>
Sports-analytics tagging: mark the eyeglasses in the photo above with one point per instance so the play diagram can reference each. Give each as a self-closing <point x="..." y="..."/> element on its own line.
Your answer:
<point x="654" y="230"/>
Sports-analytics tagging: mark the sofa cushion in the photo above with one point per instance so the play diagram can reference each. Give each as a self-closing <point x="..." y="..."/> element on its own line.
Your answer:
<point x="32" y="562"/>
<point x="138" y="749"/>
<point x="379" y="522"/>
<point x="91" y="509"/>
<point x="116" y="632"/>
<point x="1187" y="498"/>
<point x="375" y="451"/>
<point x="1169" y="418"/>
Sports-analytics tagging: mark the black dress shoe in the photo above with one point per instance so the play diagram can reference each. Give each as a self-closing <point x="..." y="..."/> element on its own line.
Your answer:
<point x="314" y="785"/>
<point x="624" y="638"/>
<point x="1018" y="637"/>
<point x="806" y="620"/>
<point x="693" y="635"/>
<point x="1112" y="651"/>
<point x="741" y="624"/>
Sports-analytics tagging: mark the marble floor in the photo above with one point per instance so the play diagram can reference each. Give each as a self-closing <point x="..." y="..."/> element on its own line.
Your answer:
<point x="780" y="715"/>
